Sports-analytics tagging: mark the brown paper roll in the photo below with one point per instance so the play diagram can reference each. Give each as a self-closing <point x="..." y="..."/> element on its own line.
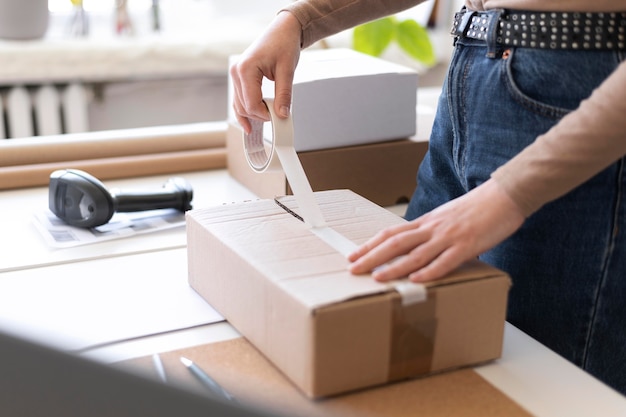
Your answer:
<point x="116" y="167"/>
<point x="113" y="143"/>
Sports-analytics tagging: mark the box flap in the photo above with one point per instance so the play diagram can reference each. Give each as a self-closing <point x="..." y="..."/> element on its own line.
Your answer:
<point x="469" y="271"/>
<point x="287" y="252"/>
<point x="342" y="209"/>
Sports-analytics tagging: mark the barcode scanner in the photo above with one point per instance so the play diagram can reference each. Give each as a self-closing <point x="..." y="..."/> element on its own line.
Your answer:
<point x="81" y="200"/>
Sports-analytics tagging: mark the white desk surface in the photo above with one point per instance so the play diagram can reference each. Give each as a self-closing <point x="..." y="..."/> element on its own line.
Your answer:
<point x="530" y="374"/>
<point x="23" y="247"/>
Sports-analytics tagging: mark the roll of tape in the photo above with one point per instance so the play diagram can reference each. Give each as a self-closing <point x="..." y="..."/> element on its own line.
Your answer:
<point x="282" y="154"/>
<point x="261" y="153"/>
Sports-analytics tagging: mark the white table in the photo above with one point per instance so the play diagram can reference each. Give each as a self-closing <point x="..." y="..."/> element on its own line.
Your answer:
<point x="532" y="375"/>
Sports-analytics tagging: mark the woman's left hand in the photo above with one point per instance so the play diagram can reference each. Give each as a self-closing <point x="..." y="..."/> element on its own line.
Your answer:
<point x="429" y="247"/>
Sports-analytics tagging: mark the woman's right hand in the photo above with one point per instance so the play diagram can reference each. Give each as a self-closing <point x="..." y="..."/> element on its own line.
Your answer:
<point x="274" y="55"/>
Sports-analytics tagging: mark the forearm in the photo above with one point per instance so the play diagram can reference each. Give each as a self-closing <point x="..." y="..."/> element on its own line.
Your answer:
<point x="322" y="18"/>
<point x="581" y="145"/>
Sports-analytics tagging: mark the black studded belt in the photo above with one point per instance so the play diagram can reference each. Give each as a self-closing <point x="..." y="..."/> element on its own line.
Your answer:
<point x="547" y="30"/>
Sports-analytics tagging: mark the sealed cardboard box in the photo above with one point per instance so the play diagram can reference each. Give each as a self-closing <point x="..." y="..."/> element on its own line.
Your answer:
<point x="384" y="172"/>
<point x="342" y="98"/>
<point x="290" y="294"/>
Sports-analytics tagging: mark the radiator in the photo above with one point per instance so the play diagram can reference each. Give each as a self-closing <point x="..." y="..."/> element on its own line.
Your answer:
<point x="38" y="110"/>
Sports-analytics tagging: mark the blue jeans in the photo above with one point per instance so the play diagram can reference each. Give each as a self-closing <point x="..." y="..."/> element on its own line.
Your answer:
<point x="568" y="261"/>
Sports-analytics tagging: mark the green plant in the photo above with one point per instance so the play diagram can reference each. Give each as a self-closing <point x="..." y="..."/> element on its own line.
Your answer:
<point x="374" y="37"/>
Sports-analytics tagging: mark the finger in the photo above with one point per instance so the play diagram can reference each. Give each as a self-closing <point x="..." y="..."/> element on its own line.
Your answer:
<point x="250" y="95"/>
<point x="245" y="123"/>
<point x="283" y="87"/>
<point x="239" y="111"/>
<point x="392" y="247"/>
<point x="418" y="258"/>
<point x="236" y="83"/>
<point x="240" y="114"/>
<point x="440" y="266"/>
<point x="379" y="238"/>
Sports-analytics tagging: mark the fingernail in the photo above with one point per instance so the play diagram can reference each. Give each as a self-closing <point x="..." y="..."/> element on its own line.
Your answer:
<point x="416" y="277"/>
<point x="284" y="111"/>
<point x="379" y="272"/>
<point x="378" y="276"/>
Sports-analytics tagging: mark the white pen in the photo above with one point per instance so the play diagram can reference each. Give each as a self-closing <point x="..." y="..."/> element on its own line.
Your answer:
<point x="156" y="360"/>
<point x="206" y="379"/>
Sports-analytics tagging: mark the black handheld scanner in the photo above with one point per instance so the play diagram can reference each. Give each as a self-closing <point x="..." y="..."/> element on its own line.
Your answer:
<point x="81" y="200"/>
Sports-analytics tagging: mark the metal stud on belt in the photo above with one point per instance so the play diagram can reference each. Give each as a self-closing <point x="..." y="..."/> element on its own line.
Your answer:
<point x="548" y="30"/>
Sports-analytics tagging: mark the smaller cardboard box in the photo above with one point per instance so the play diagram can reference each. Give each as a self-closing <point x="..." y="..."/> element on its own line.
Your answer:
<point x="384" y="172"/>
<point x="290" y="294"/>
<point x="342" y="98"/>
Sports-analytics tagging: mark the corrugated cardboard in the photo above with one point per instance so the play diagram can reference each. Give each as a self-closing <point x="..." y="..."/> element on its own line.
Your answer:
<point x="342" y="98"/>
<point x="291" y="295"/>
<point x="384" y="172"/>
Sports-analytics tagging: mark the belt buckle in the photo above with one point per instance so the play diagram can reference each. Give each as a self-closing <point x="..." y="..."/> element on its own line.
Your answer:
<point x="461" y="22"/>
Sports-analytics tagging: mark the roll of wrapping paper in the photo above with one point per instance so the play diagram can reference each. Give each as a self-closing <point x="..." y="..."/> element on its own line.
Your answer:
<point x="114" y="154"/>
<point x="111" y="143"/>
<point x="116" y="167"/>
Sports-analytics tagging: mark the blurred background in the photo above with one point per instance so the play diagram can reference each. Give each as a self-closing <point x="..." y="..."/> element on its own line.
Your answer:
<point x="114" y="64"/>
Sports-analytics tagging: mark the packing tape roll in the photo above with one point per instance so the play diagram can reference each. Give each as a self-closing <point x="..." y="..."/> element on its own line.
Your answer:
<point x="282" y="155"/>
<point x="255" y="146"/>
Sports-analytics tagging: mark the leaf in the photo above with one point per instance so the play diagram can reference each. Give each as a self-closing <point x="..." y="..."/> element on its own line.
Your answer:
<point x="414" y="40"/>
<point x="372" y="38"/>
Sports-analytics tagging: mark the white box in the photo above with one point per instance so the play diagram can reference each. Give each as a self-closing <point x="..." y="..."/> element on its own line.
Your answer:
<point x="343" y="98"/>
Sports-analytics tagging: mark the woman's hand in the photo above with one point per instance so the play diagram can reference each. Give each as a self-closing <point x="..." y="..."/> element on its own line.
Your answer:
<point x="429" y="247"/>
<point x="273" y="55"/>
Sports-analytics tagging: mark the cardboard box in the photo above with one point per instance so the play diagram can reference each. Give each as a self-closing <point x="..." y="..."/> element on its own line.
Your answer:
<point x="290" y="294"/>
<point x="342" y="98"/>
<point x="384" y="172"/>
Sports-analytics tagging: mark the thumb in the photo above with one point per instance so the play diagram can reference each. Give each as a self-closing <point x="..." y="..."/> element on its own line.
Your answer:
<point x="283" y="88"/>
